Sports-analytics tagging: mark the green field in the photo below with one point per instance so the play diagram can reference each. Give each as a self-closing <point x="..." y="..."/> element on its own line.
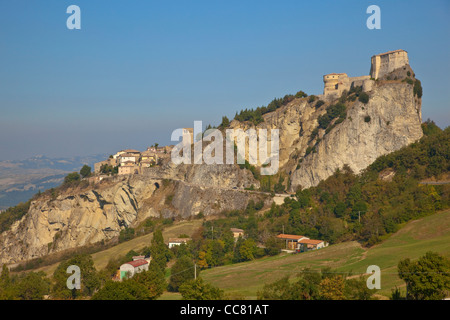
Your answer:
<point x="431" y="233"/>
<point x="102" y="258"/>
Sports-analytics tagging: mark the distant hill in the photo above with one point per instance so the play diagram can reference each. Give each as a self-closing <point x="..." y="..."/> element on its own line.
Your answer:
<point x="21" y="179"/>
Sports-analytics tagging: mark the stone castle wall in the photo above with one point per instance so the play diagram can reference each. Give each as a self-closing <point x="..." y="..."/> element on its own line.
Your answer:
<point x="381" y="65"/>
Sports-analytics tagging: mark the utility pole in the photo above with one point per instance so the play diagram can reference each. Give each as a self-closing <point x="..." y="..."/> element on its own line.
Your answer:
<point x="195" y="271"/>
<point x="212" y="230"/>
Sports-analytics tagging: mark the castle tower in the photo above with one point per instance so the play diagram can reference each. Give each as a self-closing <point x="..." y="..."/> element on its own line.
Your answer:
<point x="335" y="83"/>
<point x="387" y="62"/>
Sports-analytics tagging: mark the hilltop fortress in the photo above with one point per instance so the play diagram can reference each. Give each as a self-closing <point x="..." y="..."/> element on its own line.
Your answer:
<point x="381" y="65"/>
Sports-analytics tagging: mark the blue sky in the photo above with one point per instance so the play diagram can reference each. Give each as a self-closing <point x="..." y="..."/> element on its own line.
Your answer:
<point x="137" y="70"/>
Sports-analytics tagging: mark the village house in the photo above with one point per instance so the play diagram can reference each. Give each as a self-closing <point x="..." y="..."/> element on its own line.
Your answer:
<point x="128" y="157"/>
<point x="149" y="157"/>
<point x="177" y="241"/>
<point x="128" y="167"/>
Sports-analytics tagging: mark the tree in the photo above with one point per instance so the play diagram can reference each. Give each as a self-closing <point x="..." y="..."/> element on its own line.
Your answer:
<point x="426" y="279"/>
<point x="90" y="280"/>
<point x="305" y="288"/>
<point x="159" y="250"/>
<point x="153" y="280"/>
<point x="199" y="290"/>
<point x="248" y="250"/>
<point x="202" y="263"/>
<point x="71" y="178"/>
<point x="215" y="252"/>
<point x="225" y="122"/>
<point x="356" y="289"/>
<point x="85" y="171"/>
<point x="182" y="271"/>
<point x="5" y="282"/>
<point x="332" y="288"/>
<point x="273" y="246"/>
<point x="124" y="290"/>
<point x="33" y="286"/>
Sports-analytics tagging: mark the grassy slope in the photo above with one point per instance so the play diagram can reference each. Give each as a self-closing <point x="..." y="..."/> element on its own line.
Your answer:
<point x="101" y="258"/>
<point x="413" y="240"/>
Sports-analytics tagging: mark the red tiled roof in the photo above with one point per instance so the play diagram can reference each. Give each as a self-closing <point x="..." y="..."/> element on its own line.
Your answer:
<point x="310" y="241"/>
<point x="290" y="236"/>
<point x="137" y="263"/>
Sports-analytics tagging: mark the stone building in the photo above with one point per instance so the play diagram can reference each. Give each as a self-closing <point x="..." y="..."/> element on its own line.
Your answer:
<point x="381" y="65"/>
<point x="384" y="63"/>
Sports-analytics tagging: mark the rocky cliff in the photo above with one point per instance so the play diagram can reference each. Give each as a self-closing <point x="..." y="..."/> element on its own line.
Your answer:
<point x="79" y="217"/>
<point x="390" y="120"/>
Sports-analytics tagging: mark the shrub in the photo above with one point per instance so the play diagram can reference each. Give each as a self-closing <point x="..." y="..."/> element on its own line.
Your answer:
<point x="319" y="104"/>
<point x="367" y="119"/>
<point x="363" y="97"/>
<point x="418" y="89"/>
<point x="300" y="94"/>
<point x="71" y="178"/>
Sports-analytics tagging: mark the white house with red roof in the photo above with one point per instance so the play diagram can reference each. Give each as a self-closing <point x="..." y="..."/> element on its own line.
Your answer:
<point x="291" y="240"/>
<point x="129" y="269"/>
<point x="311" y="244"/>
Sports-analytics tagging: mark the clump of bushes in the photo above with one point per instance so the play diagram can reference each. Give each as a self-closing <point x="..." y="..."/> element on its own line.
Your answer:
<point x="255" y="115"/>
<point x="334" y="111"/>
<point x="319" y="104"/>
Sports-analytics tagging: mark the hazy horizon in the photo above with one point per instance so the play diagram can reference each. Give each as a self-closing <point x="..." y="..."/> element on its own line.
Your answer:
<point x="136" y="71"/>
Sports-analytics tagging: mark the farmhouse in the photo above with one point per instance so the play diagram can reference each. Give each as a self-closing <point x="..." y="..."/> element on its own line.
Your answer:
<point x="310" y="244"/>
<point x="129" y="269"/>
<point x="177" y="241"/>
<point x="291" y="240"/>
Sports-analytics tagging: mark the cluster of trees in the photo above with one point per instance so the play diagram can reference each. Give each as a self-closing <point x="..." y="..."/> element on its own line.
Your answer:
<point x="428" y="278"/>
<point x="29" y="286"/>
<point x="13" y="214"/>
<point x="316" y="285"/>
<point x="108" y="169"/>
<point x="338" y="110"/>
<point x="255" y="115"/>
<point x="75" y="177"/>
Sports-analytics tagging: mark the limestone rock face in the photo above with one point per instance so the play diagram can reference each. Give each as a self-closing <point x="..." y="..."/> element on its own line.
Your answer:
<point x="389" y="121"/>
<point x="78" y="218"/>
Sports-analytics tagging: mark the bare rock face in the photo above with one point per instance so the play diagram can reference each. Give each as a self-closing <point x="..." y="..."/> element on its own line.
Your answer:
<point x="389" y="121"/>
